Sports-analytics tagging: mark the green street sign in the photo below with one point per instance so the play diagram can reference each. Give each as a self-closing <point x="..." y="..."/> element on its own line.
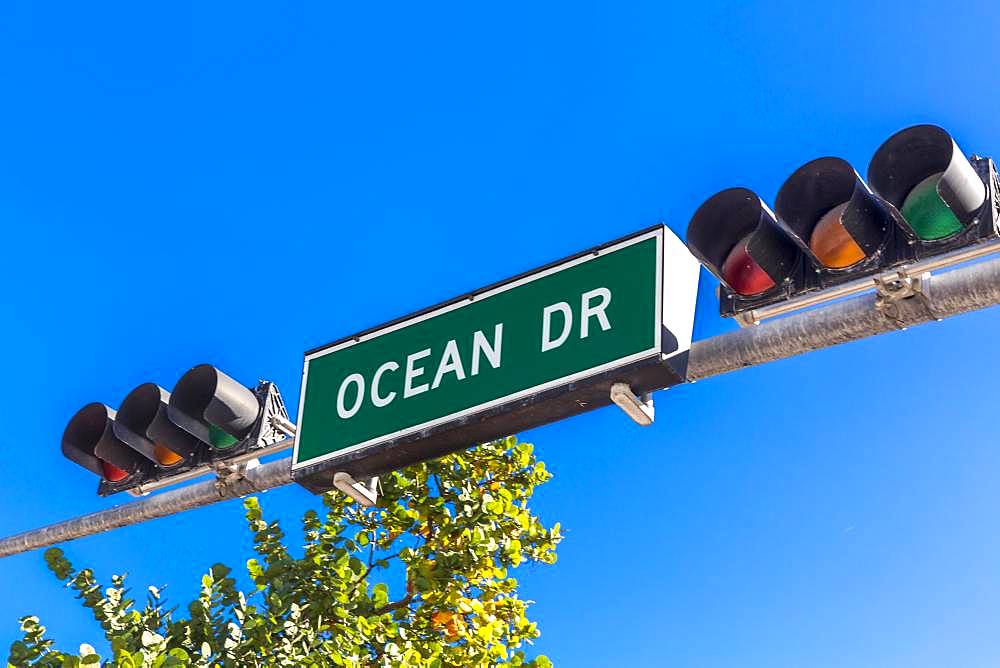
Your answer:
<point x="502" y="358"/>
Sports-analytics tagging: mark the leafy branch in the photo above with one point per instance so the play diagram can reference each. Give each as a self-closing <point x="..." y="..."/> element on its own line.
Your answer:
<point x="452" y="528"/>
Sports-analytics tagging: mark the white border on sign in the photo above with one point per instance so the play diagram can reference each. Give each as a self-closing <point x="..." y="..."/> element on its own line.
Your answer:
<point x="635" y="357"/>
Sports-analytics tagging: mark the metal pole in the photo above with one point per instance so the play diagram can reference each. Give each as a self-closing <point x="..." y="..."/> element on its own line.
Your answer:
<point x="964" y="289"/>
<point x="266" y="476"/>
<point x="960" y="290"/>
<point x="935" y="263"/>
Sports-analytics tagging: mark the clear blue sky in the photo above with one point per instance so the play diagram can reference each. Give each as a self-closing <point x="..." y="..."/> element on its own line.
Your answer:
<point x="235" y="184"/>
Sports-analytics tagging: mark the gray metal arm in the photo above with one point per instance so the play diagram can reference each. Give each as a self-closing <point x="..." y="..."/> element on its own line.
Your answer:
<point x="960" y="290"/>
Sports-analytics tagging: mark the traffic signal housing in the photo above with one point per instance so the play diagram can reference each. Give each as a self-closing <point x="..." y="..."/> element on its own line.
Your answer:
<point x="945" y="200"/>
<point x="841" y="226"/>
<point x="155" y="435"/>
<point x="214" y="408"/>
<point x="737" y="237"/>
<point x="142" y="423"/>
<point x="925" y="200"/>
<point x="90" y="441"/>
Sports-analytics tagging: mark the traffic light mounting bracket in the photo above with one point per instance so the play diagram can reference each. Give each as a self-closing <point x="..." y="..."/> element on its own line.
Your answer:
<point x="271" y="426"/>
<point x="229" y="475"/>
<point x="893" y="287"/>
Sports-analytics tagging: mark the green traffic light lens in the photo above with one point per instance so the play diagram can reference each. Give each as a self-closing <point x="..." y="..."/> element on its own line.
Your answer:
<point x="220" y="439"/>
<point x="927" y="213"/>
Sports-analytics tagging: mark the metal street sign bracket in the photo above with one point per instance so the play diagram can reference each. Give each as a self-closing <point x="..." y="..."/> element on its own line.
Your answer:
<point x="639" y="408"/>
<point x="365" y="493"/>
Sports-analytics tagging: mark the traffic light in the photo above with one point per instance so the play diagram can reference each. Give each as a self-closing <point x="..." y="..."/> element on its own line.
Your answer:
<point x="842" y="227"/>
<point x="214" y="408"/>
<point x="142" y="423"/>
<point x="90" y="441"/>
<point x="737" y="237"/>
<point x="829" y="228"/>
<point x="946" y="201"/>
<point x="155" y="435"/>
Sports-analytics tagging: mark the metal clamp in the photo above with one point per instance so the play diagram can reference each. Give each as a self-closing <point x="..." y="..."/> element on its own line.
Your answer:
<point x="229" y="474"/>
<point x="893" y="287"/>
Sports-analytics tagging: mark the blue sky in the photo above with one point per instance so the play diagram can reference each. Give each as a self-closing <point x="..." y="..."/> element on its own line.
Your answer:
<point x="237" y="183"/>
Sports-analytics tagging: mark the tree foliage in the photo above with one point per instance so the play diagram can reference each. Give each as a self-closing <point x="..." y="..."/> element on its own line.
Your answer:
<point x="451" y="530"/>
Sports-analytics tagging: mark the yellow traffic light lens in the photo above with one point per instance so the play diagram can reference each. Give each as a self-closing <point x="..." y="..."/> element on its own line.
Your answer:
<point x="166" y="456"/>
<point x="743" y="273"/>
<point x="831" y="243"/>
<point x="927" y="213"/>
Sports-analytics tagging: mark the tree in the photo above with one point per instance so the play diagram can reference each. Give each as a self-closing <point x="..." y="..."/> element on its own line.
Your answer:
<point x="455" y="527"/>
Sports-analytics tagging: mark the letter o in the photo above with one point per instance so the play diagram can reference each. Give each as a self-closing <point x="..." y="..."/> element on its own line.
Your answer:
<point x="348" y="413"/>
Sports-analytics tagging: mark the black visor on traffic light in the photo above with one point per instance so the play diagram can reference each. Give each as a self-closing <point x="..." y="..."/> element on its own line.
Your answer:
<point x="213" y="407"/>
<point x="142" y="423"/>
<point x="832" y="214"/>
<point x="735" y="235"/>
<point x="90" y="441"/>
<point x="924" y="174"/>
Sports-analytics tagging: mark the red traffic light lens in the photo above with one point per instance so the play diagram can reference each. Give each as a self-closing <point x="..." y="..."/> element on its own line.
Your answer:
<point x="743" y="273"/>
<point x="927" y="213"/>
<point x="112" y="473"/>
<point x="831" y="243"/>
